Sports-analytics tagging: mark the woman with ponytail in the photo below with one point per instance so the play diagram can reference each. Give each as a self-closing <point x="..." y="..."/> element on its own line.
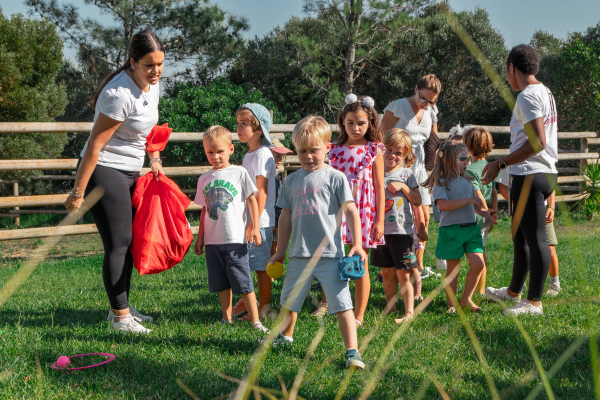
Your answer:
<point x="126" y="106"/>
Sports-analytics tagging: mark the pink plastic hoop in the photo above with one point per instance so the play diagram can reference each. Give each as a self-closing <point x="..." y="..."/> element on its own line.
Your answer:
<point x="111" y="357"/>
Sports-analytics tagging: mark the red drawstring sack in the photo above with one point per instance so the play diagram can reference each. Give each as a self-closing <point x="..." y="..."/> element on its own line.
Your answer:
<point x="161" y="232"/>
<point x="158" y="137"/>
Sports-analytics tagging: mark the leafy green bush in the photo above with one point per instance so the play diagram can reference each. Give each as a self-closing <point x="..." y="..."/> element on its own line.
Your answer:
<point x="189" y="108"/>
<point x="589" y="205"/>
<point x="30" y="59"/>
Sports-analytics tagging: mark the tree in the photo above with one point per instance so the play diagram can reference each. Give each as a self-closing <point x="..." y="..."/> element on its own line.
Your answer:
<point x="430" y="46"/>
<point x="578" y="84"/>
<point x="190" y="108"/>
<point x="269" y="64"/>
<point x="348" y="38"/>
<point x="195" y="34"/>
<point x="548" y="48"/>
<point x="30" y="58"/>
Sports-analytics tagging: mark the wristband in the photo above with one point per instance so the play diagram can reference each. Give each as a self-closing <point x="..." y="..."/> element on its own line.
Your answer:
<point x="77" y="193"/>
<point x="153" y="160"/>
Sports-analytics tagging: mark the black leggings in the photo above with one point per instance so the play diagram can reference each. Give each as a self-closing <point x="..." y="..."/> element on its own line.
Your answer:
<point x="531" y="252"/>
<point x="113" y="215"/>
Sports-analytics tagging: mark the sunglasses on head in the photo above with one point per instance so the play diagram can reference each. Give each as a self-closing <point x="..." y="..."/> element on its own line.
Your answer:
<point x="424" y="100"/>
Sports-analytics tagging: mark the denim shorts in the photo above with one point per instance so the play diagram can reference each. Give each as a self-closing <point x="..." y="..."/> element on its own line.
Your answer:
<point x="227" y="266"/>
<point x="298" y="279"/>
<point x="260" y="256"/>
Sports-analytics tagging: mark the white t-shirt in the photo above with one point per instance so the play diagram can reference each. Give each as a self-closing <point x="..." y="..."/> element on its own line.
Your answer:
<point x="223" y="193"/>
<point x="122" y="100"/>
<point x="533" y="102"/>
<point x="261" y="162"/>
<point x="418" y="132"/>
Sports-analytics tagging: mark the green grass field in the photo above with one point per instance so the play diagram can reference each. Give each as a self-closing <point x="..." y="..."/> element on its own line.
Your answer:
<point x="60" y="310"/>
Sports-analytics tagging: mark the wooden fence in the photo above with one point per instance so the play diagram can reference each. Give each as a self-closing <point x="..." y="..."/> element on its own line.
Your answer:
<point x="568" y="183"/>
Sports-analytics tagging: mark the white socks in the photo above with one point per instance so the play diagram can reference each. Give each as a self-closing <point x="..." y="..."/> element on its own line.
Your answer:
<point x="554" y="280"/>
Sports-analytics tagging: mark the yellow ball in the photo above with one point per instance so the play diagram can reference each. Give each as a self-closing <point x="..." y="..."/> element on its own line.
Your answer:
<point x="275" y="270"/>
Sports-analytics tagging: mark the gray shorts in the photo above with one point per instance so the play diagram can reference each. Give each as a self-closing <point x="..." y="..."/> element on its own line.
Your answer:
<point x="425" y="196"/>
<point x="260" y="256"/>
<point x="227" y="266"/>
<point x="298" y="280"/>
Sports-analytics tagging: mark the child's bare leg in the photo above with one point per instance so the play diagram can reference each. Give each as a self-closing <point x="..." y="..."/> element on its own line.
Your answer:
<point x="476" y="265"/>
<point x="225" y="300"/>
<point x="348" y="328"/>
<point x="416" y="281"/>
<point x="553" y="262"/>
<point x="362" y="290"/>
<point x="406" y="288"/>
<point x="289" y="321"/>
<point x="481" y="285"/>
<point x="390" y="288"/>
<point x="265" y="285"/>
<point x="249" y="300"/>
<point x="453" y="284"/>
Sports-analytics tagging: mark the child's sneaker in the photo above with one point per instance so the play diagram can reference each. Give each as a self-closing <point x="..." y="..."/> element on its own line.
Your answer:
<point x="353" y="359"/>
<point x="501" y="294"/>
<point x="553" y="290"/>
<point x="441" y="264"/>
<point x="133" y="312"/>
<point x="239" y="309"/>
<point x="428" y="272"/>
<point x="129" y="324"/>
<point x="260" y="327"/>
<point x="279" y="341"/>
<point x="524" y="307"/>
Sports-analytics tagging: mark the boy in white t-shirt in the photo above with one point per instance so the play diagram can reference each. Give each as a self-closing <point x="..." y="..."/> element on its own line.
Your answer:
<point x="224" y="193"/>
<point x="253" y="125"/>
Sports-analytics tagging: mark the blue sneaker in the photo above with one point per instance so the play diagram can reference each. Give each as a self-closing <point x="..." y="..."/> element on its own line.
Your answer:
<point x="353" y="359"/>
<point x="279" y="341"/>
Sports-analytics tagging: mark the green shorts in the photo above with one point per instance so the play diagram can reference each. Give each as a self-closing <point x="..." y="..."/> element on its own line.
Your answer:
<point x="551" y="235"/>
<point x="456" y="240"/>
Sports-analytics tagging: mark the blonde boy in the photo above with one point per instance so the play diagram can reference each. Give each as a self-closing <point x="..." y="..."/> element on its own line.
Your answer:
<point x="224" y="193"/>
<point x="253" y="125"/>
<point x="312" y="200"/>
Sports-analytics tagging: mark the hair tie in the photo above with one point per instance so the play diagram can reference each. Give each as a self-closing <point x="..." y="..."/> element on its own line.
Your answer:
<point x="351" y="98"/>
<point x="367" y="101"/>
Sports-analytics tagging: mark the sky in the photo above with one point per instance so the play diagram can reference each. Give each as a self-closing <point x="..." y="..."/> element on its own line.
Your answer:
<point x="516" y="20"/>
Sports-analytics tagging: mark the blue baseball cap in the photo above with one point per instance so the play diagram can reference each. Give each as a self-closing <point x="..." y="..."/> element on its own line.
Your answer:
<point x="264" y="119"/>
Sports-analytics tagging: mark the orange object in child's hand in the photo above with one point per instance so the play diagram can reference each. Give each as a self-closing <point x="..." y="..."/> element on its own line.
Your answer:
<point x="275" y="270"/>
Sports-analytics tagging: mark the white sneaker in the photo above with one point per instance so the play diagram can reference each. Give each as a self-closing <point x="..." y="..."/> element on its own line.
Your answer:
<point x="553" y="290"/>
<point x="524" y="307"/>
<point x="428" y="272"/>
<point x="133" y="312"/>
<point x="129" y="324"/>
<point x="441" y="264"/>
<point x="500" y="295"/>
<point x="260" y="327"/>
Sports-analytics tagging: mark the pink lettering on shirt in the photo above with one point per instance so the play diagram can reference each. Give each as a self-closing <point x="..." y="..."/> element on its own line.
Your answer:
<point x="308" y="205"/>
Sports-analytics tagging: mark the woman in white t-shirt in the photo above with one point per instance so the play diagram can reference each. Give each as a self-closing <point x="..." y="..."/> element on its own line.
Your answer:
<point x="126" y="111"/>
<point x="532" y="160"/>
<point x="417" y="115"/>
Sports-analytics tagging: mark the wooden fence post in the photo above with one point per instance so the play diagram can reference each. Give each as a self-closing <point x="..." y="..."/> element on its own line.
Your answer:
<point x="16" y="194"/>
<point x="583" y="162"/>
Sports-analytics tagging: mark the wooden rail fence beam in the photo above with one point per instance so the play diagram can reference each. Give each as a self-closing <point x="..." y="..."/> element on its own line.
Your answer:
<point x="69" y="230"/>
<point x="51" y="200"/>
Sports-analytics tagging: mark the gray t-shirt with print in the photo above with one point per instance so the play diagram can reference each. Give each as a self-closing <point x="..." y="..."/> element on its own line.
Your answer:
<point x="460" y="188"/>
<point x="398" y="214"/>
<point x="315" y="199"/>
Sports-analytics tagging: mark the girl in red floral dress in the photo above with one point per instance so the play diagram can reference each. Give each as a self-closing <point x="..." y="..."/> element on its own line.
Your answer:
<point x="358" y="154"/>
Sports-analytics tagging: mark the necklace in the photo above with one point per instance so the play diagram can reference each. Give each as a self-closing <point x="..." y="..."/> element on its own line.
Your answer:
<point x="141" y="90"/>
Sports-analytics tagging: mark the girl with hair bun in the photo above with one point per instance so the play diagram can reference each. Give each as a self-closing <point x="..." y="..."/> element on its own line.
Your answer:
<point x="358" y="154"/>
